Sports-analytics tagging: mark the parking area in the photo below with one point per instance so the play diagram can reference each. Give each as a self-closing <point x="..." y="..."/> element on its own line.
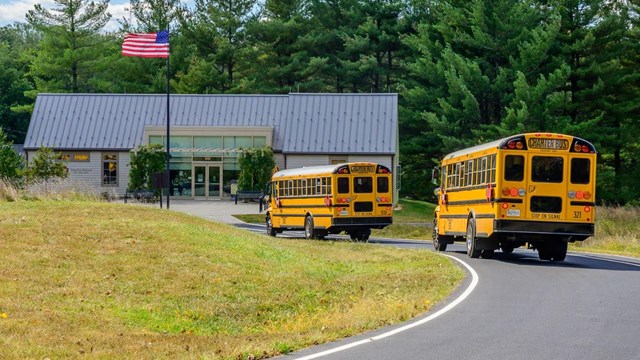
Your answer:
<point x="218" y="210"/>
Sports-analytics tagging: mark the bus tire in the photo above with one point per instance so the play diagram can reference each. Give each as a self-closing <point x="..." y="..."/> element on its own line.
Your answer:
<point x="559" y="251"/>
<point x="472" y="243"/>
<point x="309" y="229"/>
<point x="365" y="234"/>
<point x="270" y="230"/>
<point x="438" y="244"/>
<point x="545" y="252"/>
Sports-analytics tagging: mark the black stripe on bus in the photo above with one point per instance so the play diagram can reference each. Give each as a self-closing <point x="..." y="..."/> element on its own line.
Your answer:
<point x="301" y="215"/>
<point x="475" y="187"/>
<point x="467" y="202"/>
<point x="505" y="200"/>
<point x="308" y="206"/>
<point x="583" y="203"/>
<point x="463" y="234"/>
<point x="464" y="216"/>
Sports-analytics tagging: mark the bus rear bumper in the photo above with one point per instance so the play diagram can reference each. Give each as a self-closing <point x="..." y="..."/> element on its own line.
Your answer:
<point x="543" y="228"/>
<point x="370" y="222"/>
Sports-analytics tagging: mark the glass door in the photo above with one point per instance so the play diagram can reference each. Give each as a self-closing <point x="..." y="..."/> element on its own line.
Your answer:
<point x="213" y="180"/>
<point x="199" y="181"/>
<point x="207" y="179"/>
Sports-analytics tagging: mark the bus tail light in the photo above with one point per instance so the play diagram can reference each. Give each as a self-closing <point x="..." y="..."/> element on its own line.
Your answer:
<point x="505" y="205"/>
<point x="514" y="192"/>
<point x="587" y="209"/>
<point x="579" y="195"/>
<point x="344" y="200"/>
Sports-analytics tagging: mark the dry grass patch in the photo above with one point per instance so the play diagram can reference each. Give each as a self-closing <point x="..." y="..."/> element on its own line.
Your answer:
<point x="118" y="281"/>
<point x="617" y="232"/>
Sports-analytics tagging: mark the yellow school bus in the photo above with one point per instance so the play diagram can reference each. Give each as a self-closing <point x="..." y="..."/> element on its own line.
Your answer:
<point x="534" y="189"/>
<point x="322" y="200"/>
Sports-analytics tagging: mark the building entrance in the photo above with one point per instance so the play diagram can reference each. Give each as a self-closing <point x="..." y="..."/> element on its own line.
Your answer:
<point x="207" y="179"/>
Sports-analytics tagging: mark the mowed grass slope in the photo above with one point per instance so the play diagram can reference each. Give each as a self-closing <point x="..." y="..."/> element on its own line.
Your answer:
<point x="120" y="281"/>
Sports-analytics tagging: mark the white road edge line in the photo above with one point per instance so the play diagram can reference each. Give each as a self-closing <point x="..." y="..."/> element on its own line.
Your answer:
<point x="606" y="257"/>
<point x="454" y="303"/>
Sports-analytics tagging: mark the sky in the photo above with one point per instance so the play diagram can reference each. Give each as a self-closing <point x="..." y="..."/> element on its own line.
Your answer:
<point x="12" y="11"/>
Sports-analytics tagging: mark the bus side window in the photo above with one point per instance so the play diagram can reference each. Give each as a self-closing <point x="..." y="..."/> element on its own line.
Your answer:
<point x="514" y="168"/>
<point x="492" y="179"/>
<point x="319" y="187"/>
<point x="329" y="185"/>
<point x="343" y="185"/>
<point x="483" y="170"/>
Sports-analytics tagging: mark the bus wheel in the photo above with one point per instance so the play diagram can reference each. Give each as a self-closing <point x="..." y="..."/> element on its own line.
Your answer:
<point x="544" y="252"/>
<point x="438" y="244"/>
<point x="472" y="244"/>
<point x="365" y="234"/>
<point x="559" y="251"/>
<point x="270" y="230"/>
<point x="309" y="230"/>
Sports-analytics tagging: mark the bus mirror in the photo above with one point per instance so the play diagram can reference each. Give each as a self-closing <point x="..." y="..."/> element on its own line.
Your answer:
<point x="436" y="191"/>
<point x="435" y="175"/>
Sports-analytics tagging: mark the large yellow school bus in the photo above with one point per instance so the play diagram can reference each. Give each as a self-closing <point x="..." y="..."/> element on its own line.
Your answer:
<point x="322" y="200"/>
<point x="535" y="189"/>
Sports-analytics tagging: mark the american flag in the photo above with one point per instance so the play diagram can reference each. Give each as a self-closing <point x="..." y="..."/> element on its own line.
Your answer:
<point x="151" y="45"/>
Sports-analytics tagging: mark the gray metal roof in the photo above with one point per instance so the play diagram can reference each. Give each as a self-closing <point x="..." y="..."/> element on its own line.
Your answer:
<point x="303" y="123"/>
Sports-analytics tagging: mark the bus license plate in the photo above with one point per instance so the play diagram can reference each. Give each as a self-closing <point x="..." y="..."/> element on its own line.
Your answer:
<point x="344" y="212"/>
<point x="513" y="212"/>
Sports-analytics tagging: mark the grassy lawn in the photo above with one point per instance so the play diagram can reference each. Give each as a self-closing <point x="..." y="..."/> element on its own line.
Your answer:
<point x="412" y="219"/>
<point x="121" y="281"/>
<point x="617" y="228"/>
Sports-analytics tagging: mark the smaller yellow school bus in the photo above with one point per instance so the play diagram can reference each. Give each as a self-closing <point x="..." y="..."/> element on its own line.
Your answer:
<point x="535" y="189"/>
<point x="322" y="200"/>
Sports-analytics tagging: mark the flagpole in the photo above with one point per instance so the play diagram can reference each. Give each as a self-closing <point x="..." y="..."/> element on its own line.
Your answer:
<point x="168" y="136"/>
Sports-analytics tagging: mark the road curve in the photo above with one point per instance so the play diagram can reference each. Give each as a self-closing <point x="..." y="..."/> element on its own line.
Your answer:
<point x="587" y="307"/>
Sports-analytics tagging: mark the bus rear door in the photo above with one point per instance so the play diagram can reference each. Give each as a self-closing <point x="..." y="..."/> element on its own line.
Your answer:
<point x="546" y="187"/>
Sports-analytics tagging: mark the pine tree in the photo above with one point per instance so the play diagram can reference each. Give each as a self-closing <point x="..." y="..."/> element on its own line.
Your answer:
<point x="71" y="46"/>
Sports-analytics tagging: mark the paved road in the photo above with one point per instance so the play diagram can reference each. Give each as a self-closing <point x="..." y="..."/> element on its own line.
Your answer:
<point x="587" y="307"/>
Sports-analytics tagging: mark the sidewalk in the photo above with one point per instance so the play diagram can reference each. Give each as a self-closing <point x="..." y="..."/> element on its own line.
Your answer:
<point x="217" y="210"/>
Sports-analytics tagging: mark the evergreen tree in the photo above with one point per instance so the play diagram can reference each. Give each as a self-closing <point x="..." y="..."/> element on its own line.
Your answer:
<point x="71" y="46"/>
<point x="218" y="29"/>
<point x="11" y="163"/>
<point x="15" y="105"/>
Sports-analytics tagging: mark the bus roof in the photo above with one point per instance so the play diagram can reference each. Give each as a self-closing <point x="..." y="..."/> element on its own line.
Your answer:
<point x="501" y="142"/>
<point x="316" y="170"/>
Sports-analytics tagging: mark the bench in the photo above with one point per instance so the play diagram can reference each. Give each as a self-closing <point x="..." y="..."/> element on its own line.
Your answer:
<point x="248" y="195"/>
<point x="141" y="195"/>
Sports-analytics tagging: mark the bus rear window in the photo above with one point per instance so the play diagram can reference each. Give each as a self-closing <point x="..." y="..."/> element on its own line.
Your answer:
<point x="383" y="185"/>
<point x="514" y="168"/>
<point x="343" y="185"/>
<point x="363" y="185"/>
<point x="580" y="171"/>
<point x="547" y="169"/>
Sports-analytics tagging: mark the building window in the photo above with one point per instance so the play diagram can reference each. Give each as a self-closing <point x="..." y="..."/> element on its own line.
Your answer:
<point x="110" y="170"/>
